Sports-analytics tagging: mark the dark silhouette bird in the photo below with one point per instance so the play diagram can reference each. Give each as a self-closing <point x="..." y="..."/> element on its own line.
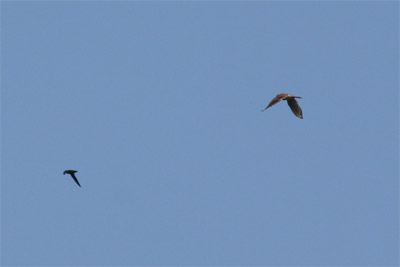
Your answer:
<point x="291" y="100"/>
<point x="72" y="173"/>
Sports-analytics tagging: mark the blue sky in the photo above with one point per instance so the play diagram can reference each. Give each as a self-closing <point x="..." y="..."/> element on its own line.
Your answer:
<point x="157" y="105"/>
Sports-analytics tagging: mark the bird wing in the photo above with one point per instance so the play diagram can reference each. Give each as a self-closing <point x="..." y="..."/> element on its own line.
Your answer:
<point x="275" y="100"/>
<point x="76" y="180"/>
<point x="294" y="106"/>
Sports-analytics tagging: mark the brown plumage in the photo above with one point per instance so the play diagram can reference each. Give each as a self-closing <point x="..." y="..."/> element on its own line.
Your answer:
<point x="291" y="100"/>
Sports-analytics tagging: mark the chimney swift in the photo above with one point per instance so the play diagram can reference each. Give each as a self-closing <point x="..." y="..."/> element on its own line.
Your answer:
<point x="291" y="100"/>
<point x="72" y="173"/>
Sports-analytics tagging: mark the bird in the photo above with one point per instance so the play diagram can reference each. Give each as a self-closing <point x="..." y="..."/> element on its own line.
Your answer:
<point x="72" y="173"/>
<point x="291" y="100"/>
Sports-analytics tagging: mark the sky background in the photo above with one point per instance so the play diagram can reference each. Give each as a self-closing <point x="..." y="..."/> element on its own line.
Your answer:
<point x="157" y="105"/>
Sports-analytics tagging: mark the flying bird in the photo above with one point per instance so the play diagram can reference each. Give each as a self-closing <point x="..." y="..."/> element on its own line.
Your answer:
<point x="72" y="173"/>
<point x="291" y="100"/>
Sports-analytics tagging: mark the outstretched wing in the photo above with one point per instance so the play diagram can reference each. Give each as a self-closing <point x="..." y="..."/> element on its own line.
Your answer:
<point x="294" y="106"/>
<point x="275" y="100"/>
<point x="76" y="180"/>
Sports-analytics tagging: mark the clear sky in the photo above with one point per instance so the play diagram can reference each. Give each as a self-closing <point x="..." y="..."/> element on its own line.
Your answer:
<point x="157" y="105"/>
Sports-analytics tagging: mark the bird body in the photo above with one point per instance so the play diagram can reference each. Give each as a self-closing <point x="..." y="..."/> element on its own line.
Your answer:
<point x="291" y="100"/>
<point x="72" y="173"/>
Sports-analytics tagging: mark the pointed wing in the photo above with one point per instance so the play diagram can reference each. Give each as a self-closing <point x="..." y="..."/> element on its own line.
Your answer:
<point x="76" y="180"/>
<point x="294" y="106"/>
<point x="275" y="100"/>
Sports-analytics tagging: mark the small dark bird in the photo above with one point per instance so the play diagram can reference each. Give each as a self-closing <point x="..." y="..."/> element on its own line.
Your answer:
<point x="72" y="173"/>
<point x="291" y="100"/>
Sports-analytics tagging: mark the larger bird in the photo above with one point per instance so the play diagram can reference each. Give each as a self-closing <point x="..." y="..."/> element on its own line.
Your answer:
<point x="72" y="173"/>
<point x="291" y="100"/>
